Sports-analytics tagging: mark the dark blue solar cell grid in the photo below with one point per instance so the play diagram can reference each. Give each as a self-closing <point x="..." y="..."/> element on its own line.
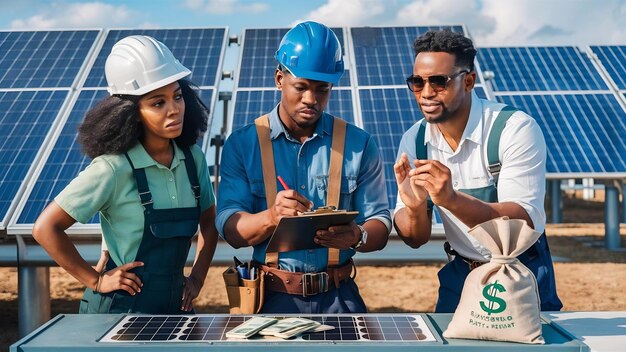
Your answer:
<point x="66" y="160"/>
<point x="387" y="114"/>
<point x="540" y="69"/>
<point x="480" y="91"/>
<point x="251" y="104"/>
<point x="42" y="59"/>
<point x="26" y="119"/>
<point x="584" y="133"/>
<point x="613" y="58"/>
<point x="200" y="50"/>
<point x="258" y="62"/>
<point x="384" y="56"/>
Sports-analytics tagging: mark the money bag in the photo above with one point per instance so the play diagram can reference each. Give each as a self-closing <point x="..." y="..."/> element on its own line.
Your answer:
<point x="500" y="299"/>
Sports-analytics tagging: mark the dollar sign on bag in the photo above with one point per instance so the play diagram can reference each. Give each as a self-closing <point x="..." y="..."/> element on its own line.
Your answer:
<point x="490" y="292"/>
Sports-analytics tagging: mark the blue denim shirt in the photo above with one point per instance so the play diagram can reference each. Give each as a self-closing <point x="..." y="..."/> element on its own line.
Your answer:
<point x="304" y="167"/>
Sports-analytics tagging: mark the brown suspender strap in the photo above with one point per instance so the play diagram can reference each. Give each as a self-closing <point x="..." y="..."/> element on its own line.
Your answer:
<point x="334" y="177"/>
<point x="267" y="158"/>
<point x="269" y="172"/>
<point x="334" y="174"/>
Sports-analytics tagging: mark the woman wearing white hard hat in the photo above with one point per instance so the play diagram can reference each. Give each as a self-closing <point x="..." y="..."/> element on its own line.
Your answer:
<point x="148" y="181"/>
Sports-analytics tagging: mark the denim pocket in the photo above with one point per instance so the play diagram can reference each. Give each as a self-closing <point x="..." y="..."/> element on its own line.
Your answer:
<point x="348" y="186"/>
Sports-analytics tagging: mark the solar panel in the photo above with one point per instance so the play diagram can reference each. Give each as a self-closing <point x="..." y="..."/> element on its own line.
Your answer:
<point x="212" y="328"/>
<point x="540" y="69"/>
<point x="584" y="132"/>
<point x="26" y="120"/>
<point x="384" y="55"/>
<point x="251" y="104"/>
<point x="66" y="160"/>
<point x="257" y="65"/>
<point x="200" y="50"/>
<point x="43" y="59"/>
<point x="387" y="113"/>
<point x="613" y="58"/>
<point x="481" y="92"/>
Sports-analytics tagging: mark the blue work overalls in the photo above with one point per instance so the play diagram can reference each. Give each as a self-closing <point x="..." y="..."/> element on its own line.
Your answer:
<point x="163" y="250"/>
<point x="537" y="258"/>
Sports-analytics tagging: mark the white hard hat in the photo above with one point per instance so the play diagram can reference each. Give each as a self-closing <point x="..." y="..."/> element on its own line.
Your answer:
<point x="140" y="64"/>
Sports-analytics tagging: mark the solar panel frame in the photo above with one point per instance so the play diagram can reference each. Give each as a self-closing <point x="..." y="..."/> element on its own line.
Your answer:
<point x="207" y="93"/>
<point x="32" y="56"/>
<point x="585" y="146"/>
<point x="399" y="57"/>
<point x="398" y="102"/>
<point x="15" y="181"/>
<point x="529" y="69"/>
<point x="613" y="60"/>
<point x="361" y="329"/>
<point x="95" y="77"/>
<point x="61" y="162"/>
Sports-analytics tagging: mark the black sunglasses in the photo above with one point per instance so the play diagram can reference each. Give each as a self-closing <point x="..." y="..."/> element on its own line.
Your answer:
<point x="437" y="82"/>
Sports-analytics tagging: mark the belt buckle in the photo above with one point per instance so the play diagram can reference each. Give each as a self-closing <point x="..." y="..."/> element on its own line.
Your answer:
<point x="473" y="264"/>
<point x="314" y="283"/>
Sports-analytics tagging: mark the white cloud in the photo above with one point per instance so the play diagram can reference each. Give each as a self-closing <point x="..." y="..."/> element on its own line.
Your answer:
<point x="555" y="22"/>
<point x="76" y="15"/>
<point x="224" y="7"/>
<point x="347" y="12"/>
<point x="491" y="22"/>
<point x="445" y="12"/>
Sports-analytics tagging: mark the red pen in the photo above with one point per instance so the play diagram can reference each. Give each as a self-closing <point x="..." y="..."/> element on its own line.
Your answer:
<point x="282" y="182"/>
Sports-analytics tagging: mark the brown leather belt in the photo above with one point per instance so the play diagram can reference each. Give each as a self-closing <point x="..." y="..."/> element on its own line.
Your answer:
<point x="305" y="284"/>
<point x="472" y="264"/>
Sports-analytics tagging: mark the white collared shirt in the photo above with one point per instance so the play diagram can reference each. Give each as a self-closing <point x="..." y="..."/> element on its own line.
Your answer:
<point x="522" y="153"/>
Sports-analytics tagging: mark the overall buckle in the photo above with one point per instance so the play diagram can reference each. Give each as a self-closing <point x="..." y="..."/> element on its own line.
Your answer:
<point x="314" y="283"/>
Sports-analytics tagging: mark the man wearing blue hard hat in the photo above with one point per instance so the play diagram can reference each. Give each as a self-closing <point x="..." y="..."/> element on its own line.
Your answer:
<point x="321" y="161"/>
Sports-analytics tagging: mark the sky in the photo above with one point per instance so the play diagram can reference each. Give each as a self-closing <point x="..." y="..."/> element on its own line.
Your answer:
<point x="490" y="22"/>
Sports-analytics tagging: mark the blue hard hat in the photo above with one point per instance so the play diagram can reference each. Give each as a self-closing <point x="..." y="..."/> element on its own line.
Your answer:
<point x="311" y="50"/>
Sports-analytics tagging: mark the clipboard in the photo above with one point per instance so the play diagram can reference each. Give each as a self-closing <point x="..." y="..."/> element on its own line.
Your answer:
<point x="297" y="232"/>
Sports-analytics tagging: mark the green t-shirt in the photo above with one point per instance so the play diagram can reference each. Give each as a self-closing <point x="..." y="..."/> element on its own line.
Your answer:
<point x="107" y="186"/>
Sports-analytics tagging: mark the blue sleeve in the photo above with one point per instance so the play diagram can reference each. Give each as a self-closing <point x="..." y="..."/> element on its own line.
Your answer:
<point x="370" y="196"/>
<point x="234" y="193"/>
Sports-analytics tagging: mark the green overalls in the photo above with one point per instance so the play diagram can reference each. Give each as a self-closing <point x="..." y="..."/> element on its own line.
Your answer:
<point x="163" y="250"/>
<point x="537" y="258"/>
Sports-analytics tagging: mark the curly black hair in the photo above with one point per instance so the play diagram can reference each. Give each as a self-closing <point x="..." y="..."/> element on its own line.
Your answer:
<point x="448" y="42"/>
<point x="113" y="126"/>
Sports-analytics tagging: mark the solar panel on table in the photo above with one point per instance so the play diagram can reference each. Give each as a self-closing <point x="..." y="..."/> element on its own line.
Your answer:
<point x="43" y="59"/>
<point x="384" y="55"/>
<point x="613" y="58"/>
<point x="213" y="328"/>
<point x="200" y="50"/>
<point x="251" y="104"/>
<point x="387" y="113"/>
<point x="257" y="57"/>
<point x="66" y="160"/>
<point x="584" y="132"/>
<point x="540" y="69"/>
<point x="26" y="120"/>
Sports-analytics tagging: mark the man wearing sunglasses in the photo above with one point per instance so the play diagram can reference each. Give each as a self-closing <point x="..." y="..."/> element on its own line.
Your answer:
<point x="473" y="159"/>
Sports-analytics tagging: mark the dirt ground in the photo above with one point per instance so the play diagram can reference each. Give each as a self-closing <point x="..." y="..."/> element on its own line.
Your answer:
<point x="593" y="279"/>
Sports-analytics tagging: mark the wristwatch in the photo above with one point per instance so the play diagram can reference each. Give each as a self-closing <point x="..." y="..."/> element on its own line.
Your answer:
<point x="362" y="239"/>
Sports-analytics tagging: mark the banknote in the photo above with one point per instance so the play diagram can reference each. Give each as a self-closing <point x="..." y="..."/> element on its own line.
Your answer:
<point x="250" y="327"/>
<point x="287" y="334"/>
<point x="285" y="324"/>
